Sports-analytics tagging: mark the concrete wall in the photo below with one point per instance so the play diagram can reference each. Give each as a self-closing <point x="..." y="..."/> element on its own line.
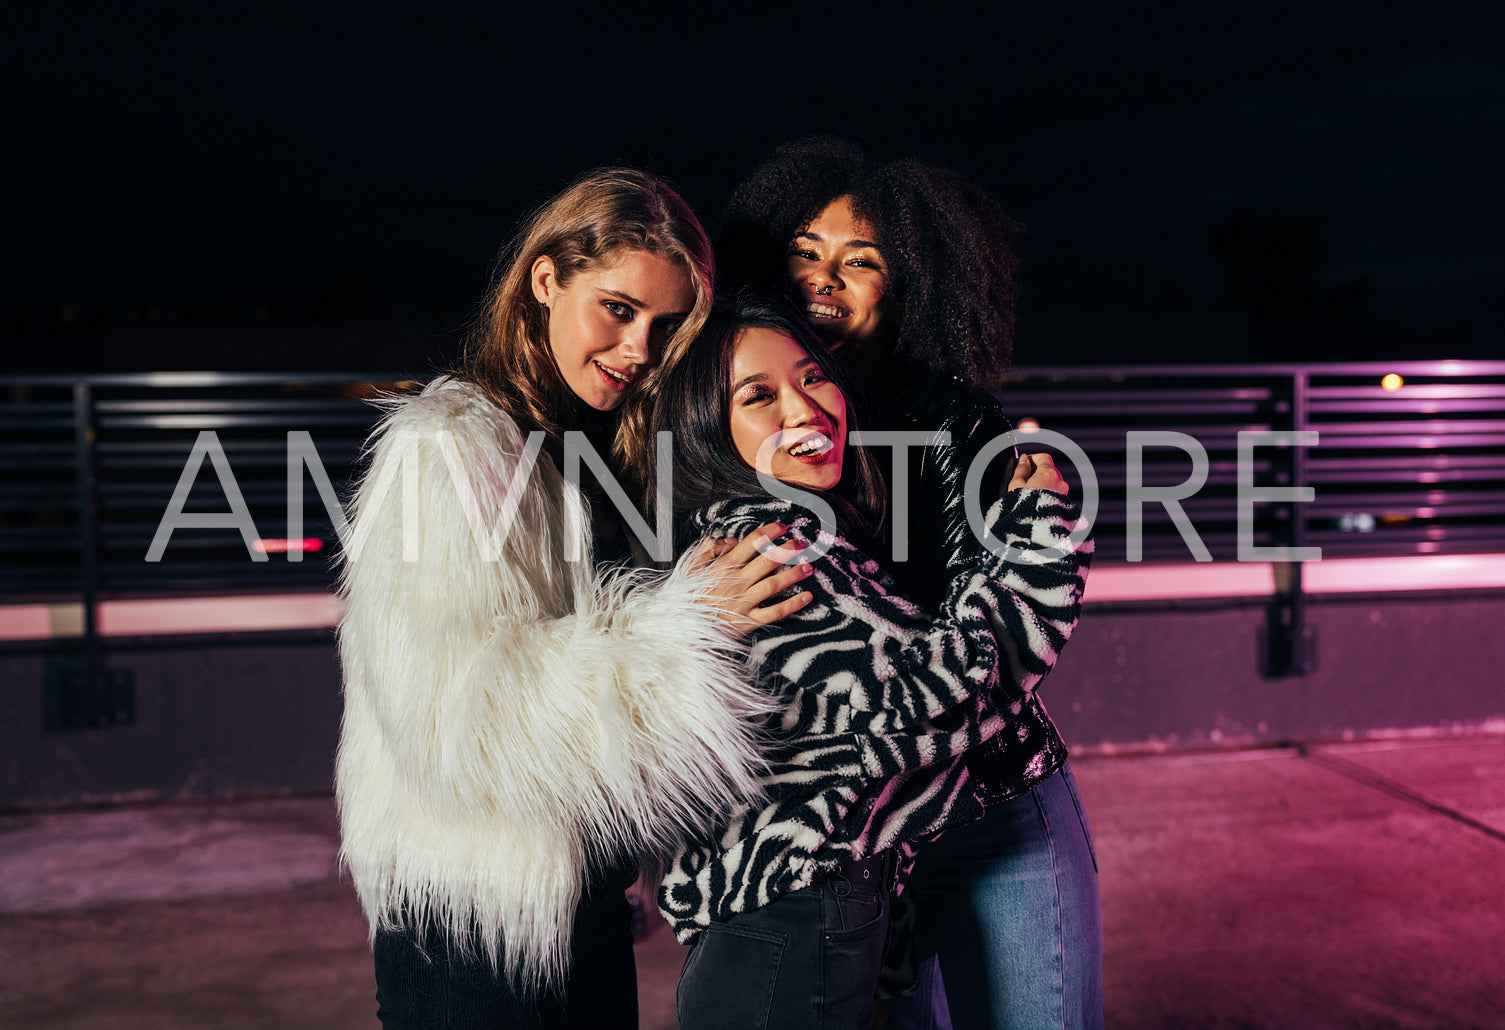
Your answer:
<point x="260" y="714"/>
<point x="1190" y="678"/>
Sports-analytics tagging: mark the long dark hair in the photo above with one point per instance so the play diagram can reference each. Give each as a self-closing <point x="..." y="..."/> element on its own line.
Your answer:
<point x="694" y="403"/>
<point x="953" y="275"/>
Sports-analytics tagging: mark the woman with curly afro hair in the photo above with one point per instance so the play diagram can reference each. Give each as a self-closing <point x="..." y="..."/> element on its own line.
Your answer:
<point x="908" y="271"/>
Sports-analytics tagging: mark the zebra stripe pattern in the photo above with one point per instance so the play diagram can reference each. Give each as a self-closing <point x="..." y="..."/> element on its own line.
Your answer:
<point x="880" y="703"/>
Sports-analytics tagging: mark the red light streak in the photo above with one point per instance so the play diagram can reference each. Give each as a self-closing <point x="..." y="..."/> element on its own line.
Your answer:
<point x="274" y="545"/>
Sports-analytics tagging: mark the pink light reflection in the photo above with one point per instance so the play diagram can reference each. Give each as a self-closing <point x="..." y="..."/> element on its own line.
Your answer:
<point x="276" y="545"/>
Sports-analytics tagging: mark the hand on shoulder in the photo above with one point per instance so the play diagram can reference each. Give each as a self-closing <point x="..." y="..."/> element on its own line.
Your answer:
<point x="747" y="573"/>
<point x="1039" y="471"/>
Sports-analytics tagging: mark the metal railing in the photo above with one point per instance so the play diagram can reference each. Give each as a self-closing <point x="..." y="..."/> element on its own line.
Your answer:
<point x="89" y="465"/>
<point x="1415" y="468"/>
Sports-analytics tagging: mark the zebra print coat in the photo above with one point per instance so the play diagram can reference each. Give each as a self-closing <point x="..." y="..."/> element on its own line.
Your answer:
<point x="880" y="703"/>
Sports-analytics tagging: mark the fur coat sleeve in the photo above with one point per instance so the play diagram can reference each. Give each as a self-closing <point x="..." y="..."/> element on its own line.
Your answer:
<point x="514" y="718"/>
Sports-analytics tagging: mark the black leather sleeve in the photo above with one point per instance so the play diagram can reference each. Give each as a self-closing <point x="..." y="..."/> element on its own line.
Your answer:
<point x="939" y="539"/>
<point x="974" y="431"/>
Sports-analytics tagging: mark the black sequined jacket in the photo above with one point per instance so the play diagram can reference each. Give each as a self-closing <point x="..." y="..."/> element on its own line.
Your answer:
<point x="928" y="520"/>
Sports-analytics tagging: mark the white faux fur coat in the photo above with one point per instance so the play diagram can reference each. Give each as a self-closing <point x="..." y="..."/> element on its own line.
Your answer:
<point x="513" y="718"/>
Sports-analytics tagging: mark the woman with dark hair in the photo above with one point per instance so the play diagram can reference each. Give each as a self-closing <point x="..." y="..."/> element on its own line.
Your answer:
<point x="521" y="723"/>
<point x="907" y="270"/>
<point x="786" y="900"/>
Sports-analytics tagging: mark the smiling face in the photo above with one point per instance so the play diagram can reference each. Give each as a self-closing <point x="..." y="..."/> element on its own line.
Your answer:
<point x="611" y="322"/>
<point x="785" y="411"/>
<point x="842" y="277"/>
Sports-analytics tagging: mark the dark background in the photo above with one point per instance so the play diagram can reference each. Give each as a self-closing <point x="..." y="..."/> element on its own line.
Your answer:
<point x="264" y="187"/>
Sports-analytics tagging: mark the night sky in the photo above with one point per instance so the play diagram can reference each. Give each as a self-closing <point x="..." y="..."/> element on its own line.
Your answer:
<point x="266" y="187"/>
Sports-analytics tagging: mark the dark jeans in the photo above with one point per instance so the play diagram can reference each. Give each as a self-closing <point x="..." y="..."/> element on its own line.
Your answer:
<point x="427" y="985"/>
<point x="809" y="959"/>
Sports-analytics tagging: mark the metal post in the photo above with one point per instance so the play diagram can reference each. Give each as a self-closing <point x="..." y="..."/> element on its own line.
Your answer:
<point x="1287" y="647"/>
<point x="88" y="546"/>
<point x="1300" y="657"/>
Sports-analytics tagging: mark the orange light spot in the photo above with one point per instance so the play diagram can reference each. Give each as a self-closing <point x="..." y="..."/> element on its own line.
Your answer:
<point x="1392" y="382"/>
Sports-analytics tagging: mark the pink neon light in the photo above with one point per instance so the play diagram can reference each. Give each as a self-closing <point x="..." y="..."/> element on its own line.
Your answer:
<point x="219" y="614"/>
<point x="276" y="545"/>
<point x="1110" y="582"/>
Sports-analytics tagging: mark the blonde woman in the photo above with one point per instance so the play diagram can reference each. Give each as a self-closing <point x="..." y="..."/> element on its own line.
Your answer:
<point x="522" y="721"/>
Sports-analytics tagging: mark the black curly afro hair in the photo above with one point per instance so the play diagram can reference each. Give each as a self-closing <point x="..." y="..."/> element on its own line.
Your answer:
<point x="953" y="274"/>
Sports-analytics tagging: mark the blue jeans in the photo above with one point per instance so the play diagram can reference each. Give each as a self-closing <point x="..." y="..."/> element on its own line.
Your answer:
<point x="808" y="960"/>
<point x="1008" y="908"/>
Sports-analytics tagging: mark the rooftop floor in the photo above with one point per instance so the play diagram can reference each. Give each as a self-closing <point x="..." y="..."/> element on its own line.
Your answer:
<point x="1343" y="885"/>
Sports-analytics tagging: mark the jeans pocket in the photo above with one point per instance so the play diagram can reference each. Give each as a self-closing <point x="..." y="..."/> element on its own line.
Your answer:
<point x="728" y="980"/>
<point x="851" y="956"/>
<point x="850" y="914"/>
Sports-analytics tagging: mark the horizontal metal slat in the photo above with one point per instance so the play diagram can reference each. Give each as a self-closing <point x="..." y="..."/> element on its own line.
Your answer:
<point x="263" y="405"/>
<point x="224" y="421"/>
<point x="1401" y="477"/>
<point x="1412" y="427"/>
<point x="1319" y="396"/>
<point x="1385" y="405"/>
<point x="1398" y="440"/>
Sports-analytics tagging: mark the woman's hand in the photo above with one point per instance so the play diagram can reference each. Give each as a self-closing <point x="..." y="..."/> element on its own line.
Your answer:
<point x="750" y="572"/>
<point x="1038" y="470"/>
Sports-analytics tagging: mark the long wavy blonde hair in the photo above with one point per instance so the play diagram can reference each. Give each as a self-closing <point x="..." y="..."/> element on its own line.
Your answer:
<point x="507" y="350"/>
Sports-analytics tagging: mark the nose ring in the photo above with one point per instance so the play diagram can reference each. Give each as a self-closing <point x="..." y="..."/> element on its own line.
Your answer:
<point x="824" y="290"/>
